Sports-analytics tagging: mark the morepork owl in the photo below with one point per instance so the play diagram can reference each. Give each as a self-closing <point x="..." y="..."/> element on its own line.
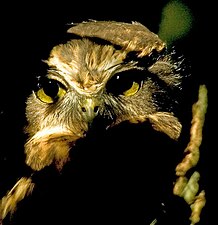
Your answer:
<point x="112" y="70"/>
<point x="108" y="74"/>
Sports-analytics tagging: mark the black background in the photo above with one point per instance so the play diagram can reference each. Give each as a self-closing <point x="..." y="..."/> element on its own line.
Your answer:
<point x="28" y="32"/>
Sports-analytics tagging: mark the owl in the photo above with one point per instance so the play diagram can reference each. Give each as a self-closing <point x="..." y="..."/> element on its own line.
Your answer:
<point x="107" y="74"/>
<point x="110" y="70"/>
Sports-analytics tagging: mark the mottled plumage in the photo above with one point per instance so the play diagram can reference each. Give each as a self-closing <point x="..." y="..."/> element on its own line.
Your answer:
<point x="108" y="71"/>
<point x="119" y="80"/>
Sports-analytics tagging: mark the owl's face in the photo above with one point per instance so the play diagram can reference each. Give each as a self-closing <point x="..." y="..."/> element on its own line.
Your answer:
<point x="100" y="75"/>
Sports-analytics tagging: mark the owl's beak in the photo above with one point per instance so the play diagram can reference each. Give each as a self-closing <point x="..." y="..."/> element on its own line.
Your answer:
<point x="90" y="109"/>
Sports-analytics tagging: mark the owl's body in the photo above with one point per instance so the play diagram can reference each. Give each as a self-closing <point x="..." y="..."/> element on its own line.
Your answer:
<point x="111" y="74"/>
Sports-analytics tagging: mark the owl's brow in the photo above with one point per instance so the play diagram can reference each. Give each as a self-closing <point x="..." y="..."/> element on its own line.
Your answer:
<point x="114" y="67"/>
<point x="53" y="74"/>
<point x="124" y="66"/>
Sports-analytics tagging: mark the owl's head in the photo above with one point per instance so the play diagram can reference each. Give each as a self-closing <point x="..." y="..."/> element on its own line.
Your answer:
<point x="110" y="70"/>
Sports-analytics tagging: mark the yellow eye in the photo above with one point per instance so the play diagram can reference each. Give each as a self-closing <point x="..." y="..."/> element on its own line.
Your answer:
<point x="132" y="90"/>
<point x="126" y="83"/>
<point x="50" y="90"/>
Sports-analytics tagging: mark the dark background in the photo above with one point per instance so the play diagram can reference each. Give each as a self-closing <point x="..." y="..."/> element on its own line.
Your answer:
<point x="30" y="30"/>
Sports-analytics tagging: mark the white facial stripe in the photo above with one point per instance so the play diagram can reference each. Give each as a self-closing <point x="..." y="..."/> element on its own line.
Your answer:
<point x="51" y="131"/>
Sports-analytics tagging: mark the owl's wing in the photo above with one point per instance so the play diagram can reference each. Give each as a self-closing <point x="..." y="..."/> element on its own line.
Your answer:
<point x="131" y="36"/>
<point x="43" y="149"/>
<point x="166" y="123"/>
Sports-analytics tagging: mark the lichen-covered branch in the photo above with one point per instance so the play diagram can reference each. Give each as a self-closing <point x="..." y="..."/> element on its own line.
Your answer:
<point x="185" y="187"/>
<point x="192" y="150"/>
<point x="8" y="203"/>
<point x="197" y="207"/>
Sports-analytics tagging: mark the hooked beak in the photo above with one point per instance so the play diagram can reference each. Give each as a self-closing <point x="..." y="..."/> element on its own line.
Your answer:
<point x="90" y="109"/>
